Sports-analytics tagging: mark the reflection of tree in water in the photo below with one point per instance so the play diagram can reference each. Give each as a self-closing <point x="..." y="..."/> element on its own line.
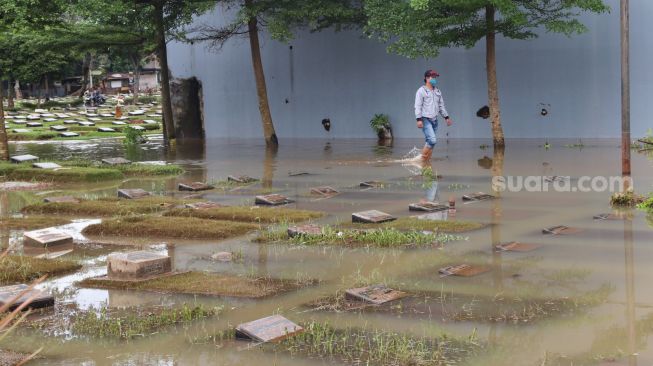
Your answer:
<point x="267" y="181"/>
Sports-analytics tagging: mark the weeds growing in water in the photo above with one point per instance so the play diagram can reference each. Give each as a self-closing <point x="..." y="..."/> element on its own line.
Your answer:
<point x="20" y="269"/>
<point x="378" y="347"/>
<point x="101" y="324"/>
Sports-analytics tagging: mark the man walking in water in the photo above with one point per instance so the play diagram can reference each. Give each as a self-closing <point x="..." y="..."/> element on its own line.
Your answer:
<point x="428" y="104"/>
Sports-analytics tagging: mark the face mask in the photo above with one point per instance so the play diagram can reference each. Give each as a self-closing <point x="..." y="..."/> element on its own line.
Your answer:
<point x="433" y="81"/>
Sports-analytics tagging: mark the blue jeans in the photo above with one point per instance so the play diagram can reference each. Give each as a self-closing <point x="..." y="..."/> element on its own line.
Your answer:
<point x="430" y="128"/>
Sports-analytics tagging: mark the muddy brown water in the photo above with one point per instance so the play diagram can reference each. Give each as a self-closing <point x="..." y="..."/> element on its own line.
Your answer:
<point x="607" y="254"/>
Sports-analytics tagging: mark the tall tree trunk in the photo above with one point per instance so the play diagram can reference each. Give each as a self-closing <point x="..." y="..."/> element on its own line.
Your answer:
<point x="168" y="123"/>
<point x="492" y="87"/>
<point x="10" y="94"/>
<point x="625" y="94"/>
<point x="86" y="65"/>
<point x="19" y="94"/>
<point x="261" y="89"/>
<point x="47" y="86"/>
<point x="136" y="63"/>
<point x="4" y="144"/>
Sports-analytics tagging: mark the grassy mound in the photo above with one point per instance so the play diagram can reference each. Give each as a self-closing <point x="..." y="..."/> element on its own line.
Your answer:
<point x="248" y="214"/>
<point x="169" y="227"/>
<point x="31" y="222"/>
<point x="413" y="224"/>
<point x="199" y="283"/>
<point x="21" y="269"/>
<point x="105" y="207"/>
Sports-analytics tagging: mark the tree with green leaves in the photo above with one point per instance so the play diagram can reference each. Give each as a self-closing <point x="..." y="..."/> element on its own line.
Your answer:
<point x="281" y="19"/>
<point x="420" y="28"/>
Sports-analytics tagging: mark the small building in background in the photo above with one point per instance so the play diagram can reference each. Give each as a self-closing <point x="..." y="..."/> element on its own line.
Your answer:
<point x="117" y="83"/>
<point x="150" y="75"/>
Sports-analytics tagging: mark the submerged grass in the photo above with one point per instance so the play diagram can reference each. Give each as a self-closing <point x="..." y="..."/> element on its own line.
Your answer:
<point x="20" y="269"/>
<point x="31" y="222"/>
<point x="101" y="324"/>
<point x="248" y="214"/>
<point x="378" y="347"/>
<point x="413" y="224"/>
<point x="105" y="207"/>
<point x="381" y="237"/>
<point x="169" y="227"/>
<point x="200" y="283"/>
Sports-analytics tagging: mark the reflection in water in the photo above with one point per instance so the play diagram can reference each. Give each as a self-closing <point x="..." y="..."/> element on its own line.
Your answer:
<point x="629" y="254"/>
<point x="495" y="232"/>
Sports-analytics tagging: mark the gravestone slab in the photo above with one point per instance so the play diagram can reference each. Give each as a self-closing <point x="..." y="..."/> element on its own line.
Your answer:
<point x="434" y="216"/>
<point x="70" y="122"/>
<point x="68" y="134"/>
<point x="271" y="329"/>
<point x="137" y="112"/>
<point x="608" y="216"/>
<point x="95" y="119"/>
<point x="19" y="122"/>
<point x="47" y="115"/>
<point x="34" y="124"/>
<point x="462" y="270"/>
<point x="514" y="246"/>
<point x="46" y="165"/>
<point x="50" y="119"/>
<point x="479" y="196"/>
<point x="203" y="205"/>
<point x="41" y="298"/>
<point x="555" y="178"/>
<point x="375" y="294"/>
<point x="23" y="158"/>
<point x="195" y="187"/>
<point x="137" y="128"/>
<point x="118" y="123"/>
<point x="91" y="115"/>
<point x="20" y="130"/>
<point x="132" y="194"/>
<point x="106" y="129"/>
<point x="106" y="115"/>
<point x="150" y="122"/>
<point x="427" y="207"/>
<point x="33" y="117"/>
<point x="86" y="124"/>
<point x="372" y="217"/>
<point x="297" y="173"/>
<point x="303" y="230"/>
<point x="137" y="265"/>
<point x="61" y="199"/>
<point x="272" y="200"/>
<point x="116" y="161"/>
<point x="46" y="237"/>
<point x="324" y="191"/>
<point x="222" y="257"/>
<point x="241" y="179"/>
<point x="561" y="230"/>
<point x="371" y="184"/>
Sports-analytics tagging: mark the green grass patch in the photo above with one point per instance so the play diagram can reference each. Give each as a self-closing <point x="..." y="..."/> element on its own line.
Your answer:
<point x="169" y="227"/>
<point x="248" y="214"/>
<point x="380" y="237"/>
<point x="200" y="283"/>
<point x="105" y="207"/>
<point x="75" y="174"/>
<point x="21" y="269"/>
<point x="102" y="324"/>
<point x="357" y="346"/>
<point x="413" y="224"/>
<point x="31" y="222"/>
<point x="626" y="199"/>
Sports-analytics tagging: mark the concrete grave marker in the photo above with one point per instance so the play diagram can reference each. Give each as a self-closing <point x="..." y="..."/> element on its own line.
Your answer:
<point x="58" y="128"/>
<point x="297" y="173"/>
<point x="34" y="124"/>
<point x="434" y="216"/>
<point x="203" y="205"/>
<point x="462" y="270"/>
<point x="222" y="257"/>
<point x="371" y="216"/>
<point x="132" y="194"/>
<point x="194" y="187"/>
<point x="116" y="161"/>
<point x="150" y="122"/>
<point x="271" y="329"/>
<point x="86" y="124"/>
<point x="555" y="178"/>
<point x="427" y="207"/>
<point x="61" y="199"/>
<point x="49" y="119"/>
<point x="324" y="191"/>
<point x="46" y="237"/>
<point x="241" y="179"/>
<point x="106" y="129"/>
<point x="47" y="115"/>
<point x="46" y="165"/>
<point x="20" y="130"/>
<point x="309" y="229"/>
<point x="95" y="119"/>
<point x="23" y="158"/>
<point x="68" y="134"/>
<point x="514" y="246"/>
<point x="19" y="122"/>
<point x="375" y="294"/>
<point x="561" y="230"/>
<point x="272" y="200"/>
<point x="118" y="123"/>
<point x="371" y="184"/>
<point x="137" y="112"/>
<point x="137" y="128"/>
<point x="41" y="298"/>
<point x="476" y="197"/>
<point x="608" y="216"/>
<point x="91" y="115"/>
<point x="70" y="122"/>
<point x="33" y="117"/>
<point x="106" y="115"/>
<point x="137" y="265"/>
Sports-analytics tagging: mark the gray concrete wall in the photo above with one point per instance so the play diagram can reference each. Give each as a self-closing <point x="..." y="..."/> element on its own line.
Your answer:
<point x="348" y="79"/>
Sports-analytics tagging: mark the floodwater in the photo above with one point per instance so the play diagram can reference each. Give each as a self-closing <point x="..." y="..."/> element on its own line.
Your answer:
<point x="611" y="254"/>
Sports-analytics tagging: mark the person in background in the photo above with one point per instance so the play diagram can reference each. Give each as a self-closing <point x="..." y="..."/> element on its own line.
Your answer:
<point x="428" y="104"/>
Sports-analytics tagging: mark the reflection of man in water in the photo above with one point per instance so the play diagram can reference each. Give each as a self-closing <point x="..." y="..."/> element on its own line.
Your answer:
<point x="428" y="104"/>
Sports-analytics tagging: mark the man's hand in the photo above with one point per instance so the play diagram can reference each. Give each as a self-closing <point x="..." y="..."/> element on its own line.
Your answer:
<point x="420" y="124"/>
<point x="449" y="121"/>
